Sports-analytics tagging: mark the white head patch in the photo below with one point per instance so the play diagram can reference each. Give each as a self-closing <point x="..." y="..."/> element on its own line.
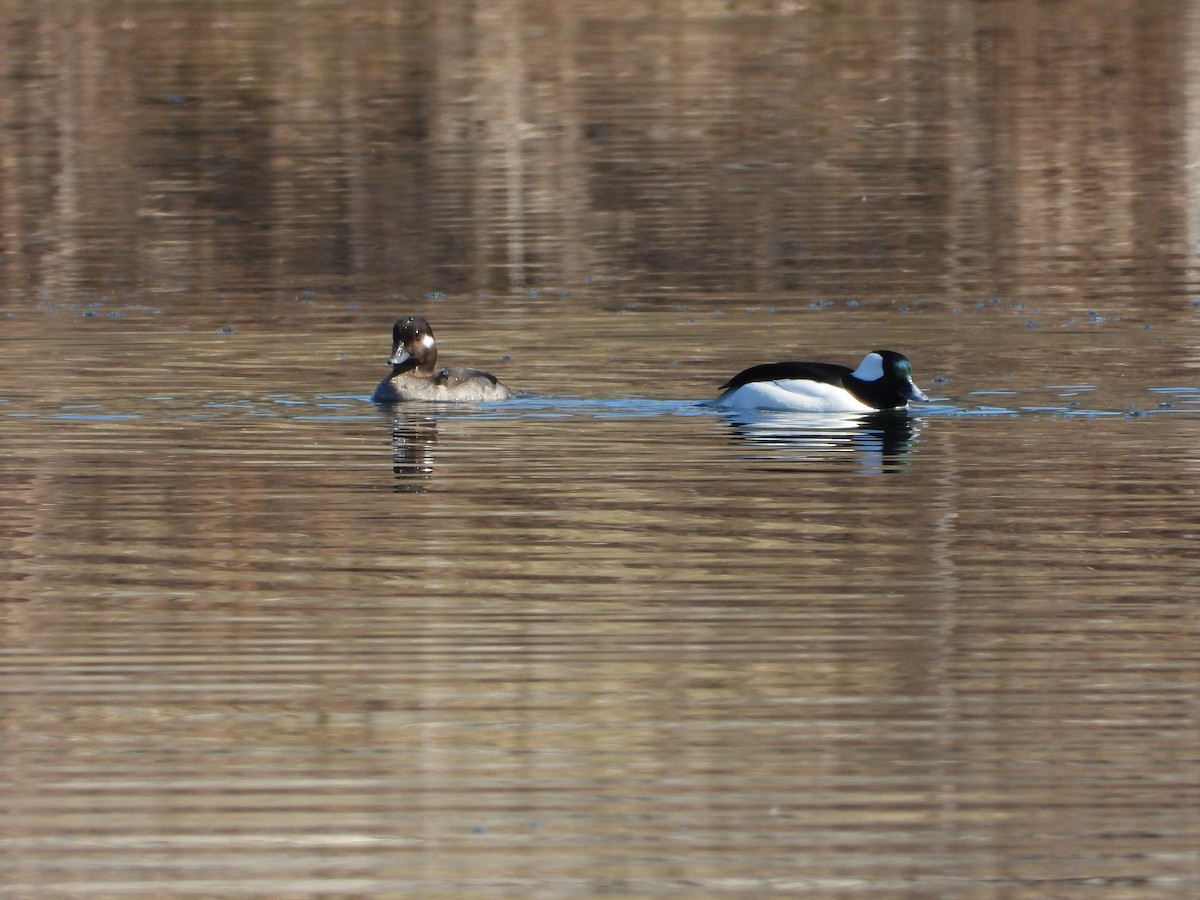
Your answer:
<point x="871" y="368"/>
<point x="428" y="341"/>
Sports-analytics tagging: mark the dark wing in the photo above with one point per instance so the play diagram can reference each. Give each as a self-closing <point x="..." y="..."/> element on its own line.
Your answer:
<point x="454" y="377"/>
<point x="826" y="373"/>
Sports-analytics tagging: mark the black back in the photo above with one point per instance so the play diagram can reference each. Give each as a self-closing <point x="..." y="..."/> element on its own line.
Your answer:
<point x="825" y="373"/>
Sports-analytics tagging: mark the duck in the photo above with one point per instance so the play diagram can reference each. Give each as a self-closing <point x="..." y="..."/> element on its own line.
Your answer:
<point x="415" y="376"/>
<point x="883" y="380"/>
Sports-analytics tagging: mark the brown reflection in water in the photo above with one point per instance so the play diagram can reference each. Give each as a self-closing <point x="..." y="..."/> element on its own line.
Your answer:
<point x="1087" y="144"/>
<point x="893" y="147"/>
<point x="597" y="653"/>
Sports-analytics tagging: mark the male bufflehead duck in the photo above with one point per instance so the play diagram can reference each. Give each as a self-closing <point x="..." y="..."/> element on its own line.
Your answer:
<point x="883" y="380"/>
<point x="414" y="355"/>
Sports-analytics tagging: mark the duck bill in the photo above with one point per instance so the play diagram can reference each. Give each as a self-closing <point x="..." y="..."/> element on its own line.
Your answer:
<point x="399" y="355"/>
<point x="912" y="392"/>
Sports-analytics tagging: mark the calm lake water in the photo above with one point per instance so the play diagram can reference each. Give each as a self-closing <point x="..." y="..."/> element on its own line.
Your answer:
<point x="264" y="638"/>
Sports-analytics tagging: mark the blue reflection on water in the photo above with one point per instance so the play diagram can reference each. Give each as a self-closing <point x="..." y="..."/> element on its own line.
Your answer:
<point x="1167" y="399"/>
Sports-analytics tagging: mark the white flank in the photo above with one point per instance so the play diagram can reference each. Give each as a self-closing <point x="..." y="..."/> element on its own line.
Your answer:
<point x="792" y="395"/>
<point x="871" y="368"/>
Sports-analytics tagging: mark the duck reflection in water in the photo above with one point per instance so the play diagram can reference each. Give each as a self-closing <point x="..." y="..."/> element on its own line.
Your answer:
<point x="414" y="435"/>
<point x="879" y="441"/>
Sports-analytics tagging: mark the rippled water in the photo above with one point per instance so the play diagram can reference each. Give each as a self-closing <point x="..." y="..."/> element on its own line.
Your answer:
<point x="262" y="637"/>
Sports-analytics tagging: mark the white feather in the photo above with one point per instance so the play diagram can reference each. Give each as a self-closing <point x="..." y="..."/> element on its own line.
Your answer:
<point x="871" y="368"/>
<point x="794" y="395"/>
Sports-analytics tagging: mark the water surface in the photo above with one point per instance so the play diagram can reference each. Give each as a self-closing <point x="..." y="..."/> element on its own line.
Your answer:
<point x="265" y="638"/>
